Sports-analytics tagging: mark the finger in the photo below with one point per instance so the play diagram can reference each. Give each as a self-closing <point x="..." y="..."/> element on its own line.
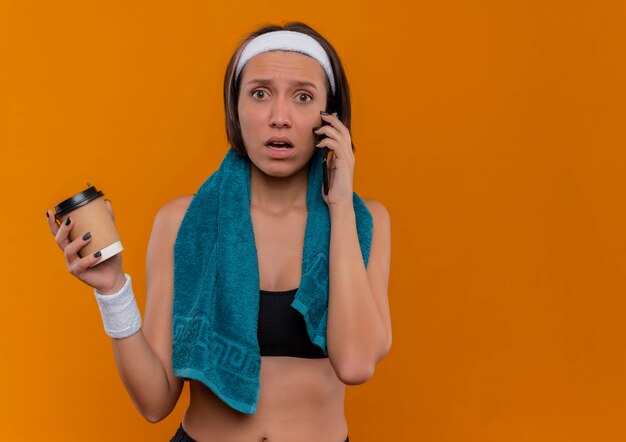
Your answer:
<point x="336" y="123"/>
<point x="81" y="265"/>
<point x="337" y="131"/>
<point x="52" y="223"/>
<point x="61" y="236"/>
<point x="329" y="131"/>
<point x="338" y="152"/>
<point x="72" y="249"/>
<point x="332" y="133"/>
<point x="330" y="143"/>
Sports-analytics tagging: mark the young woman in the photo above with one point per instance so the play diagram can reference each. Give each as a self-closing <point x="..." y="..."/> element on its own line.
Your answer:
<point x="272" y="96"/>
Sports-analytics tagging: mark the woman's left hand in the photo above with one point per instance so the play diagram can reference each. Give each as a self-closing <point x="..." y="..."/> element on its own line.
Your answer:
<point x="340" y="163"/>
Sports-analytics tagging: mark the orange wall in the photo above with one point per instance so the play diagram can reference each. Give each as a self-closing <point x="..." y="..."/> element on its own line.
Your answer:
<point x="493" y="131"/>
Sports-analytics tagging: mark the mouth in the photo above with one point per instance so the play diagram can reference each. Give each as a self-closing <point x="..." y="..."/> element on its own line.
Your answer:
<point x="279" y="143"/>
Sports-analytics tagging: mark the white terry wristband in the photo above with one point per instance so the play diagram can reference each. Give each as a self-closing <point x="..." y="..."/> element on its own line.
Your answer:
<point x="119" y="311"/>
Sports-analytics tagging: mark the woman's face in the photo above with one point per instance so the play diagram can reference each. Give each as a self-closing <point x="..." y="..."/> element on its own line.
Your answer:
<point x="272" y="104"/>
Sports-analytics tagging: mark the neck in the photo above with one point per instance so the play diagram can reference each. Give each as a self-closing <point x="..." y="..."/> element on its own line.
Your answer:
<point x="277" y="195"/>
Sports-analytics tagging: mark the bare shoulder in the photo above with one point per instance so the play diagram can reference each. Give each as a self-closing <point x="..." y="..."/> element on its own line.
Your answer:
<point x="382" y="226"/>
<point x="164" y="231"/>
<point x="173" y="211"/>
<point x="377" y="209"/>
<point x="177" y="206"/>
<point x="159" y="259"/>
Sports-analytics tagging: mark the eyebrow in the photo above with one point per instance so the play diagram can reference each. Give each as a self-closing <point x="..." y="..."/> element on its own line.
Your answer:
<point x="298" y="83"/>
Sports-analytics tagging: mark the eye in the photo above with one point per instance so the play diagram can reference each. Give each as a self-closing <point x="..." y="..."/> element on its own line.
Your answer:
<point x="257" y="90"/>
<point x="306" y="95"/>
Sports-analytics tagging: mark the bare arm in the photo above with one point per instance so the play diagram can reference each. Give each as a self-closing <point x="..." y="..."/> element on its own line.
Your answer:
<point x="359" y="323"/>
<point x="144" y="360"/>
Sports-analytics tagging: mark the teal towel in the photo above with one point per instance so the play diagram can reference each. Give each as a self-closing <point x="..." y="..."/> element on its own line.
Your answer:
<point x="216" y="281"/>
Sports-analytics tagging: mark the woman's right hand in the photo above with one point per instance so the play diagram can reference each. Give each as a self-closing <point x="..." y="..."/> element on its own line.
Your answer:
<point x="107" y="277"/>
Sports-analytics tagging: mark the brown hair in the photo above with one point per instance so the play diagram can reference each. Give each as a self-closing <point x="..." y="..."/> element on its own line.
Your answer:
<point x="340" y="103"/>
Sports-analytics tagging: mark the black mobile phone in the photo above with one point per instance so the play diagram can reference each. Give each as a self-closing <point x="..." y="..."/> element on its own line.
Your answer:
<point x="326" y="152"/>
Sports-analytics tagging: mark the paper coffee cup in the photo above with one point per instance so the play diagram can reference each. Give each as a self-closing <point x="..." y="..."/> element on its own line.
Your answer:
<point x="90" y="214"/>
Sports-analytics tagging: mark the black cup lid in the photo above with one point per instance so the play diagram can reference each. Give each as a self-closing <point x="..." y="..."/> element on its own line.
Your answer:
<point x="76" y="201"/>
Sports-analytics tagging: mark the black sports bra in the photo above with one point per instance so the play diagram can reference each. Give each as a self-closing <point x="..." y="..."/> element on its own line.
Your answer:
<point x="282" y="330"/>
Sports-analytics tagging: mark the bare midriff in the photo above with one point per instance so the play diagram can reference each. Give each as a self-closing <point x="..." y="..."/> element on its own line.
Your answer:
<point x="299" y="399"/>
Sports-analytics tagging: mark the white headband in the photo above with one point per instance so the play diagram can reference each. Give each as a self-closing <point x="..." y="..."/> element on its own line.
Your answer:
<point x="287" y="41"/>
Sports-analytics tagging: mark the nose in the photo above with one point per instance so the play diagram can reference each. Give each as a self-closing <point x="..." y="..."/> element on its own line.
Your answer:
<point x="280" y="115"/>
